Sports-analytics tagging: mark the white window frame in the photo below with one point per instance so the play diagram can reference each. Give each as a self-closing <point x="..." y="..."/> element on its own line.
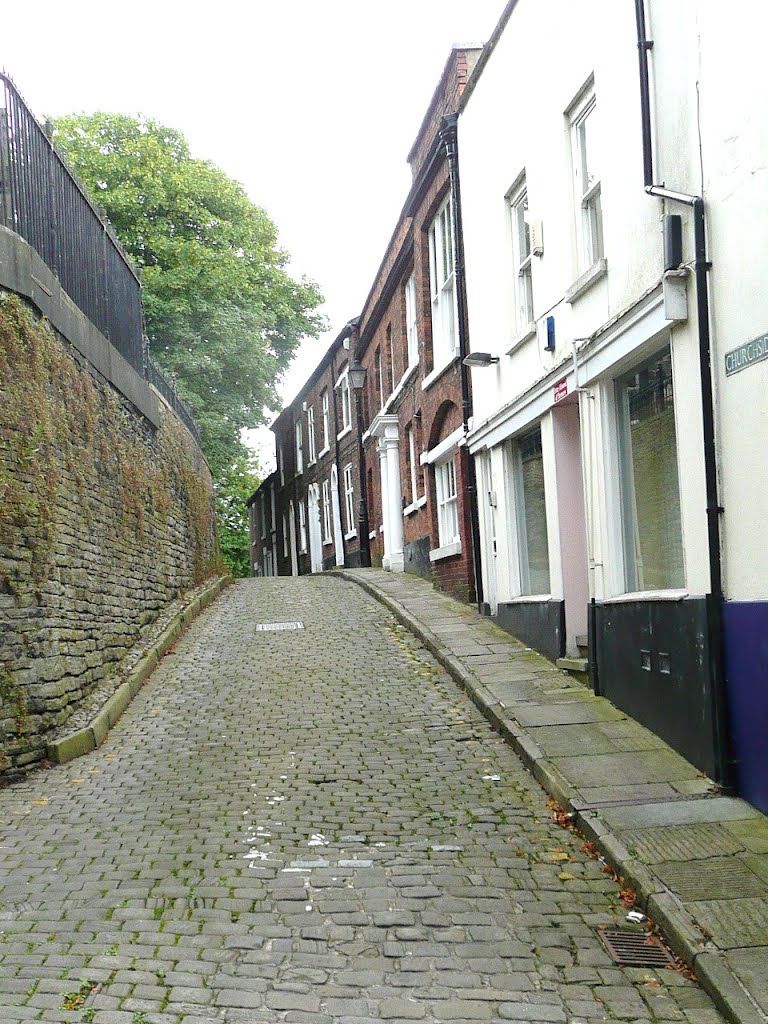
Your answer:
<point x="299" y="448"/>
<point x="442" y="287"/>
<point x="311" y="441"/>
<point x="326" y="431"/>
<point x="281" y="465"/>
<point x="263" y="517"/>
<point x="327" y="538"/>
<point x="302" y="528"/>
<point x="447" y="502"/>
<point x="285" y="534"/>
<point x="391" y="356"/>
<point x="411" y="321"/>
<point x="349" y="501"/>
<point x="417" y="500"/>
<point x="586" y="189"/>
<point x="379" y="364"/>
<point x="522" y="254"/>
<point x="342" y="386"/>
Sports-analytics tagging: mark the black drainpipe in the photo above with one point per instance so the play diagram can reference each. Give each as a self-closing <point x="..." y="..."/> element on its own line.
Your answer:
<point x="449" y="138"/>
<point x="702" y="266"/>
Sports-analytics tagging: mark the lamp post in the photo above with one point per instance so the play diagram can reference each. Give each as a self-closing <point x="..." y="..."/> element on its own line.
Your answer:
<point x="357" y="374"/>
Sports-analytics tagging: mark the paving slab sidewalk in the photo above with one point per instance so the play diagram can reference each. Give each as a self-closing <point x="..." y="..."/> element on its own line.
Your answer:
<point x="698" y="860"/>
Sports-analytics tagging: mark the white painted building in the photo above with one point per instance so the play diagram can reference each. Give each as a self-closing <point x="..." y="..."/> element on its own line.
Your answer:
<point x="590" y="431"/>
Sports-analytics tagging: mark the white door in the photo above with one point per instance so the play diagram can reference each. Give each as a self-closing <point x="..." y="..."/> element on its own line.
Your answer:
<point x="315" y="536"/>
<point x="338" y="538"/>
<point x="573" y="531"/>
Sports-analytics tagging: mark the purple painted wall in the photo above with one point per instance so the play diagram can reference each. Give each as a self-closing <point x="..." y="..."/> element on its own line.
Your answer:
<point x="746" y="667"/>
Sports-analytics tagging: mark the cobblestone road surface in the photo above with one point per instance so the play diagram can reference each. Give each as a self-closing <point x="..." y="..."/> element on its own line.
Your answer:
<point x="309" y="826"/>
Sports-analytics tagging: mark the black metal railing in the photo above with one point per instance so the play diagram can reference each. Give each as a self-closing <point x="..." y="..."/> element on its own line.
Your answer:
<point x="41" y="200"/>
<point x="157" y="378"/>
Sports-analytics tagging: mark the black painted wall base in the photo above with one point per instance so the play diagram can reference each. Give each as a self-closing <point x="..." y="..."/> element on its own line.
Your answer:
<point x="652" y="661"/>
<point x="540" y="624"/>
<point x="416" y="558"/>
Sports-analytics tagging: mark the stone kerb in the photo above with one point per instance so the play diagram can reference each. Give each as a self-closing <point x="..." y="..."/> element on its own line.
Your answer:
<point x="84" y="740"/>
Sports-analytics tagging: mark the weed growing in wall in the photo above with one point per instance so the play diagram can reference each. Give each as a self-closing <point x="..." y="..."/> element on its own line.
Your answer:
<point x="59" y="430"/>
<point x="103" y="519"/>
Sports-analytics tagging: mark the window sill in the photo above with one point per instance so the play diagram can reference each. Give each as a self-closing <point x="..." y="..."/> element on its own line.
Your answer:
<point x="435" y="375"/>
<point x="529" y="599"/>
<point x="299" y="472"/>
<point x="344" y="432"/>
<point x="647" y="595"/>
<point x="582" y="284"/>
<point x="311" y="462"/>
<point x="372" y="535"/>
<point x="528" y="332"/>
<point x="446" y="551"/>
<point x="350" y="535"/>
<point x="327" y="543"/>
<point x="324" y="451"/>
<point x="415" y="505"/>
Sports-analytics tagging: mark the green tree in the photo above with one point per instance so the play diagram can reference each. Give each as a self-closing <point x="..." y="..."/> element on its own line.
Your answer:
<point x="233" y="489"/>
<point x="224" y="315"/>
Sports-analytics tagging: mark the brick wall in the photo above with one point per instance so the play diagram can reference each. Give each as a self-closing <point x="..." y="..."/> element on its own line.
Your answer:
<point x="432" y="413"/>
<point x="342" y="446"/>
<point x="444" y="100"/>
<point x="391" y="386"/>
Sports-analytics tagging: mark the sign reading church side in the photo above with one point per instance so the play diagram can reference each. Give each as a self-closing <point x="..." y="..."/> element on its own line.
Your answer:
<point x="745" y="355"/>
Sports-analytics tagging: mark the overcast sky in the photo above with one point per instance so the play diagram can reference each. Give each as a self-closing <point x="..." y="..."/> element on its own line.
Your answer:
<point x="311" y="104"/>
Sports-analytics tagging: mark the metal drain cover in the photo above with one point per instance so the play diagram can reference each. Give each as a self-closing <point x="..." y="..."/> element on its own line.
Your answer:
<point x="264" y="627"/>
<point x="630" y="948"/>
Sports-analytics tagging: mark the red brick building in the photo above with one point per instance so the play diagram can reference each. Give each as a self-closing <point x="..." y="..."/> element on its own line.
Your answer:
<point x="414" y="402"/>
<point x="314" y="493"/>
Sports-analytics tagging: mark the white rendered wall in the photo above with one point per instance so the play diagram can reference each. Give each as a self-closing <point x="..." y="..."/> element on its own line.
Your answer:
<point x="734" y="130"/>
<point x="514" y="122"/>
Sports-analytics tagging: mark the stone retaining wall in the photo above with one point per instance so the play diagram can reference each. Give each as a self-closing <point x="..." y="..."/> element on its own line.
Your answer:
<point x="104" y="519"/>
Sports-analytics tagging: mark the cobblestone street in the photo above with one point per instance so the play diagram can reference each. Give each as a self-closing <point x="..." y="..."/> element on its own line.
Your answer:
<point x="311" y="825"/>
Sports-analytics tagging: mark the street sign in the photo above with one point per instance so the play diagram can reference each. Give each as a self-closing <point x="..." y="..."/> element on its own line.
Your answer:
<point x="745" y="355"/>
<point x="561" y="389"/>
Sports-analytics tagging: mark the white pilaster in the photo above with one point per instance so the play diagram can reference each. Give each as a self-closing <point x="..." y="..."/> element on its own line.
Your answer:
<point x="395" y="502"/>
<point x="385" y="507"/>
<point x="387" y="430"/>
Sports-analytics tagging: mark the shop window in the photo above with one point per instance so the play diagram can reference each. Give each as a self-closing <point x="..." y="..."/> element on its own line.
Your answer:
<point x="650" y="491"/>
<point x="531" y="510"/>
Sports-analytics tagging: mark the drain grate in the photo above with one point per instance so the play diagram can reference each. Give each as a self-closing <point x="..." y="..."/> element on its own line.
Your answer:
<point x="630" y="948"/>
<point x="263" y="627"/>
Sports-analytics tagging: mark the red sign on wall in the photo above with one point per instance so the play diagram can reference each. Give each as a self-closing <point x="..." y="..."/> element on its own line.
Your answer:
<point x="561" y="389"/>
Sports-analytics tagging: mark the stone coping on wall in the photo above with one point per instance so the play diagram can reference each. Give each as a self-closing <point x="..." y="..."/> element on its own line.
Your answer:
<point x="76" y="742"/>
<point x="23" y="271"/>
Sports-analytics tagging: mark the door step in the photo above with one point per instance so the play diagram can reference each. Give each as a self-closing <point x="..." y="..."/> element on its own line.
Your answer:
<point x="577" y="667"/>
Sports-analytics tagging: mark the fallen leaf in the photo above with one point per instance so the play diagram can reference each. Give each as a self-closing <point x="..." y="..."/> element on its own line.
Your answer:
<point x="556" y="858"/>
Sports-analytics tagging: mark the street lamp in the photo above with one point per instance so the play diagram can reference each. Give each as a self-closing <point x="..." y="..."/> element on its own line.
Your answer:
<point x="357" y="374"/>
<point x="480" y="359"/>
